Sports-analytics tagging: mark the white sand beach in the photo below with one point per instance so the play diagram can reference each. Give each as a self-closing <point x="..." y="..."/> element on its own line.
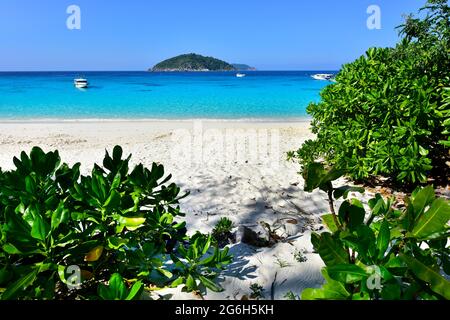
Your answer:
<point x="234" y="169"/>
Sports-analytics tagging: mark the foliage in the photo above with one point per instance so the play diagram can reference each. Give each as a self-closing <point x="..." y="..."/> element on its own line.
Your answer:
<point x="386" y="253"/>
<point x="224" y="226"/>
<point x="197" y="266"/>
<point x="446" y="111"/>
<point x="281" y="263"/>
<point x="222" y="231"/>
<point x="291" y="296"/>
<point x="386" y="114"/>
<point x="117" y="290"/>
<point x="192" y="61"/>
<point x="112" y="224"/>
<point x="299" y="256"/>
<point x="257" y="291"/>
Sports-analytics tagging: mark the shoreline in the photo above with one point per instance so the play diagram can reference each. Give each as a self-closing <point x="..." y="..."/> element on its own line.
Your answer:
<point x="287" y="120"/>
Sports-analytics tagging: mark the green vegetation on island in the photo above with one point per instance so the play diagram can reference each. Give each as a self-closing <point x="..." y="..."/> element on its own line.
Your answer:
<point x="195" y="62"/>
<point x="243" y="67"/>
<point x="388" y="114"/>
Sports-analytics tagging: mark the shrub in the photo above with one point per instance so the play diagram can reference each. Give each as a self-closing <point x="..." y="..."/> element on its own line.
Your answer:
<point x="222" y="231"/>
<point x="386" y="113"/>
<point x="446" y="111"/>
<point x="257" y="291"/>
<point x="384" y="254"/>
<point x="64" y="235"/>
<point x="224" y="226"/>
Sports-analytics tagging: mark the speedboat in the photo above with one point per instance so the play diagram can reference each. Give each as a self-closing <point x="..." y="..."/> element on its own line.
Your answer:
<point x="323" y="76"/>
<point x="240" y="75"/>
<point x="80" y="83"/>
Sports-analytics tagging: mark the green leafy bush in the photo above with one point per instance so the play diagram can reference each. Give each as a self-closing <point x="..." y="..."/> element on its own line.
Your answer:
<point x="446" y="112"/>
<point x="222" y="231"/>
<point x="386" y="114"/>
<point x="385" y="253"/>
<point x="112" y="223"/>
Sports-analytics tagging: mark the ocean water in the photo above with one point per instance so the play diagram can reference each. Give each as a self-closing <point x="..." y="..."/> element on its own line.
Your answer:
<point x="144" y="95"/>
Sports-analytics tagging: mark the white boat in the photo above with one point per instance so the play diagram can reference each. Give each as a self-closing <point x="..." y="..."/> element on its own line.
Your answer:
<point x="80" y="83"/>
<point x="240" y="75"/>
<point x="323" y="76"/>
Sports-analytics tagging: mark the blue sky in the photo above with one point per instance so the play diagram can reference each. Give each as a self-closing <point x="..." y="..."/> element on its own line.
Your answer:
<point x="136" y="34"/>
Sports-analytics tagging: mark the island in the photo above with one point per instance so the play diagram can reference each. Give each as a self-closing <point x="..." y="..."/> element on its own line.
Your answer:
<point x="243" y="67"/>
<point x="193" y="62"/>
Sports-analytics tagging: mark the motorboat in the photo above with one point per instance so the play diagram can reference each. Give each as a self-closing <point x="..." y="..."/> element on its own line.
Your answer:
<point x="323" y="76"/>
<point x="240" y="75"/>
<point x="80" y="83"/>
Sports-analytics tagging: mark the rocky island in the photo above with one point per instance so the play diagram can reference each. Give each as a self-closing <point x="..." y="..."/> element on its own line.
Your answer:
<point x="195" y="62"/>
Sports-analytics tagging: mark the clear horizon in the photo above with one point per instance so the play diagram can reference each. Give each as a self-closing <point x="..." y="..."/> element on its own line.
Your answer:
<point x="270" y="36"/>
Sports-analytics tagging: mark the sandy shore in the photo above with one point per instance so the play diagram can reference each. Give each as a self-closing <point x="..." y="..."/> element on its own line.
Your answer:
<point x="236" y="169"/>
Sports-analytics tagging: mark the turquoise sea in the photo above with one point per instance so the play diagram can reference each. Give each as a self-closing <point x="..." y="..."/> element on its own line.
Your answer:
<point x="139" y="95"/>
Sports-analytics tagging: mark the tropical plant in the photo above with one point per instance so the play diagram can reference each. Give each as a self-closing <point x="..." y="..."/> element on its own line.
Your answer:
<point x="62" y="234"/>
<point x="385" y="253"/>
<point x="299" y="256"/>
<point x="222" y="231"/>
<point x="291" y="296"/>
<point x="446" y="111"/>
<point x="197" y="266"/>
<point x="117" y="290"/>
<point x="257" y="291"/>
<point x="386" y="114"/>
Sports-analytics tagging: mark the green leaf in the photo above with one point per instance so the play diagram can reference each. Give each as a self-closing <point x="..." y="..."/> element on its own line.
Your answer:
<point x="331" y="290"/>
<point x="14" y="290"/>
<point x="190" y="283"/>
<point x="437" y="283"/>
<point x="135" y="291"/>
<point x="432" y="222"/>
<point x="113" y="201"/>
<point x="210" y="284"/>
<point x="421" y="199"/>
<point x="329" y="222"/>
<point x="391" y="291"/>
<point x="384" y="236"/>
<point x="60" y="215"/>
<point x="16" y="226"/>
<point x="423" y="152"/>
<point x="116" y="289"/>
<point x="11" y="249"/>
<point x="40" y="228"/>
<point x="177" y="282"/>
<point x="345" y="190"/>
<point x="331" y="250"/>
<point x="346" y="273"/>
<point x="165" y="273"/>
<point x="30" y="185"/>
<point x="313" y="175"/>
<point x="207" y="245"/>
<point x="116" y="242"/>
<point x="316" y="176"/>
<point x="352" y="213"/>
<point x="116" y="181"/>
<point x="131" y="223"/>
